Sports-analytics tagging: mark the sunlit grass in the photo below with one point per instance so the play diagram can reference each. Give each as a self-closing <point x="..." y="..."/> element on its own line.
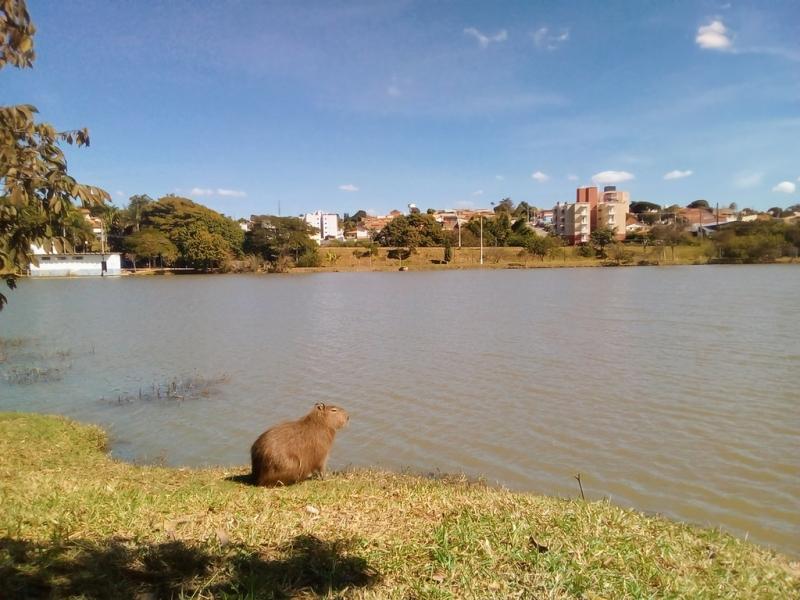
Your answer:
<point x="355" y="259"/>
<point x="74" y="522"/>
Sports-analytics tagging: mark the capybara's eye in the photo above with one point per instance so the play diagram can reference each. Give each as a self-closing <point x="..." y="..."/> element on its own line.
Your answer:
<point x="333" y="409"/>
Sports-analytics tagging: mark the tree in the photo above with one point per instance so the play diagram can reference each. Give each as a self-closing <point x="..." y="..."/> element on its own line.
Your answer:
<point x="332" y="258"/>
<point x="350" y="222"/>
<point x="669" y="235"/>
<point x="600" y="238"/>
<point x="620" y="254"/>
<point x="205" y="250"/>
<point x="150" y="244"/>
<point x="644" y="207"/>
<point x="181" y="220"/>
<point x="540" y="245"/>
<point x="37" y="194"/>
<point x="757" y="241"/>
<point x="505" y="205"/>
<point x="282" y="239"/>
<point x="412" y="231"/>
<point x="698" y="204"/>
<point x="136" y="207"/>
<point x="525" y="211"/>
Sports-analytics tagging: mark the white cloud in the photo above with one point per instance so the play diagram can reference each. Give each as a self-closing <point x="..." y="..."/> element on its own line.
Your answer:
<point x="611" y="177"/>
<point x="348" y="187"/>
<point x="477" y="193"/>
<point x="677" y="174"/>
<point x="572" y="177"/>
<point x="502" y="178"/>
<point x="544" y="38"/>
<point x="714" y="36"/>
<point x="485" y="40"/>
<point x="747" y="179"/>
<point x="785" y="187"/>
<point x="232" y="193"/>
<point x="119" y="193"/>
<point x="540" y="177"/>
<point x="196" y="191"/>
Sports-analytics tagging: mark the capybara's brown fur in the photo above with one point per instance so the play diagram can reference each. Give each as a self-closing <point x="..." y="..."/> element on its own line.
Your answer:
<point x="296" y="450"/>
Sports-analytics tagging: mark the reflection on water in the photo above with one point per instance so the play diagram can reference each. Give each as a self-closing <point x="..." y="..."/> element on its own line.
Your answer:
<point x="672" y="390"/>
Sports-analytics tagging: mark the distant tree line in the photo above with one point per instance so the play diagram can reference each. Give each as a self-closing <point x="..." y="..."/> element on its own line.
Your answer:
<point x="757" y="241"/>
<point x="175" y="231"/>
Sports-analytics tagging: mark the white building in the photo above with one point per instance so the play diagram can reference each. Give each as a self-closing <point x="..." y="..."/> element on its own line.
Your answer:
<point x="326" y="224"/>
<point x="54" y="264"/>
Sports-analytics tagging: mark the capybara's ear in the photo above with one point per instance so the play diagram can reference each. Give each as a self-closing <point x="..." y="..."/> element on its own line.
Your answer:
<point x="320" y="406"/>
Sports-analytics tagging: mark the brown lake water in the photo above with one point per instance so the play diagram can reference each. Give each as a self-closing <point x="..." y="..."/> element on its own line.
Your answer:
<point x="673" y="390"/>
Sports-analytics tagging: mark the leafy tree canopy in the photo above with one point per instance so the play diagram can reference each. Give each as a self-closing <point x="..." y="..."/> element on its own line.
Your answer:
<point x="150" y="244"/>
<point x="37" y="194"/>
<point x="643" y="207"/>
<point x="541" y="246"/>
<point x="698" y="204"/>
<point x="600" y="238"/>
<point x="505" y="205"/>
<point x="181" y="220"/>
<point x="274" y="238"/>
<point x="412" y="231"/>
<point x="669" y="234"/>
<point x="524" y="210"/>
<point x="205" y="250"/>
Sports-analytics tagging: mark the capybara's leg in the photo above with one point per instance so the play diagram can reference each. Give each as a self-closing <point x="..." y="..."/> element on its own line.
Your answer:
<point x="278" y="478"/>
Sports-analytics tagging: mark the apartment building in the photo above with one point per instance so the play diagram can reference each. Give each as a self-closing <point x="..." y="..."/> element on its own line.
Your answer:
<point x="326" y="224"/>
<point x="573" y="221"/>
<point x="591" y="210"/>
<point x="612" y="211"/>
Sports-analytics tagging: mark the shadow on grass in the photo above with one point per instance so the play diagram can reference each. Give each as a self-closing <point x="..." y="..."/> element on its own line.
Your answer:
<point x="117" y="568"/>
<point x="244" y="479"/>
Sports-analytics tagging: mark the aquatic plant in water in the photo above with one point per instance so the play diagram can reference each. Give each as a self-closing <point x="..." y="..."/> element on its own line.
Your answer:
<point x="190" y="387"/>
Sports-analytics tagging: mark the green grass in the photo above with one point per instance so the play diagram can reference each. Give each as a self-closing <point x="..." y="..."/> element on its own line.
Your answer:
<point x="76" y="523"/>
<point x="429" y="259"/>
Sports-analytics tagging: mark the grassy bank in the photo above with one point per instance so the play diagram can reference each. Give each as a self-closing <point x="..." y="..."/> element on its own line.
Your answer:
<point x="358" y="259"/>
<point x="74" y="522"/>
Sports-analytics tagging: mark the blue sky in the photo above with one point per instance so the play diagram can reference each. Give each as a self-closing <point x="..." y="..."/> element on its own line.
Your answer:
<point x="372" y="105"/>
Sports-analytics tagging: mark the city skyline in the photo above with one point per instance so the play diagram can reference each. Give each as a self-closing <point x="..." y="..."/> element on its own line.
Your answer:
<point x="348" y="106"/>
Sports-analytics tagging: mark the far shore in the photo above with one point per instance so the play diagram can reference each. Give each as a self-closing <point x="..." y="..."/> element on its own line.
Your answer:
<point x="349" y="259"/>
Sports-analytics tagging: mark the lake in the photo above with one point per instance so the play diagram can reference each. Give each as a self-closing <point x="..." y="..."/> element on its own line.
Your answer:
<point x="670" y="389"/>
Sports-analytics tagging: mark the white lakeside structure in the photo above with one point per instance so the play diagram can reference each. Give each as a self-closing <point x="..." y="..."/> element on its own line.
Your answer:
<point x="326" y="224"/>
<point x="59" y="264"/>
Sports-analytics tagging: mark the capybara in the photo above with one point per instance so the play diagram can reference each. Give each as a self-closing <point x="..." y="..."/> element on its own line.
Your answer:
<point x="296" y="450"/>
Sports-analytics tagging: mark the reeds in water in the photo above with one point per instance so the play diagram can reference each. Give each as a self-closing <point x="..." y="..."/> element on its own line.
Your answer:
<point x="191" y="387"/>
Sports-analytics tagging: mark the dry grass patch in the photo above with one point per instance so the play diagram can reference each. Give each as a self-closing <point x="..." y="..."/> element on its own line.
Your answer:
<point x="76" y="523"/>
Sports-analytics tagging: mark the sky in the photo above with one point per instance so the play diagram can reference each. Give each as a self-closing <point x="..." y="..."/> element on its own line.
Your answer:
<point x="256" y="107"/>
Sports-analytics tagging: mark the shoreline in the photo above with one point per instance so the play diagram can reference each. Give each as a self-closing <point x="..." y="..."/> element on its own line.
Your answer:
<point x="76" y="521"/>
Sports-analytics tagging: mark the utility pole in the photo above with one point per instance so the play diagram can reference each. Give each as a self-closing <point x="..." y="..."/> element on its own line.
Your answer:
<point x="102" y="250"/>
<point x="481" y="239"/>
